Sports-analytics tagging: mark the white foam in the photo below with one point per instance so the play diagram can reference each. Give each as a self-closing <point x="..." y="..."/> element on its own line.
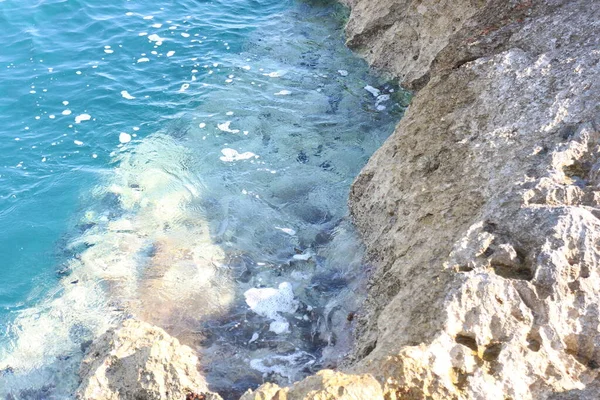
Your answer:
<point x="374" y="91"/>
<point x="148" y="17"/>
<point x="108" y="51"/>
<point x="254" y="338"/>
<point x="82" y="117"/>
<point x="225" y="127"/>
<point x="246" y="67"/>
<point x="78" y="142"/>
<point x="156" y="25"/>
<point x="185" y="35"/>
<point x="126" y="95"/>
<point x="279" y="327"/>
<point x="289" y="231"/>
<point x="269" y="302"/>
<point x="202" y="125"/>
<point x="304" y="256"/>
<point x="155" y="38"/>
<point x="230" y="155"/>
<point x="124" y="137"/>
<point x="170" y="53"/>
<point x="275" y="74"/>
<point x="281" y="365"/>
<point x="143" y="59"/>
<point x="66" y="112"/>
<point x="65" y="103"/>
<point x="382" y="98"/>
<point x="283" y="93"/>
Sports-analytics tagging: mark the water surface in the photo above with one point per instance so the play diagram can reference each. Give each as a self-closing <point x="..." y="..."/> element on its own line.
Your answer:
<point x="186" y="163"/>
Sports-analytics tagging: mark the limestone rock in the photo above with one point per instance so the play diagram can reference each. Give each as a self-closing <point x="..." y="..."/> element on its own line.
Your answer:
<point x="325" y="385"/>
<point x="403" y="37"/>
<point x="481" y="212"/>
<point x="140" y="361"/>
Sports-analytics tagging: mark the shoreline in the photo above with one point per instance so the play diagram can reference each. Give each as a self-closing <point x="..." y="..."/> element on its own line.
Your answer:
<point x="480" y="212"/>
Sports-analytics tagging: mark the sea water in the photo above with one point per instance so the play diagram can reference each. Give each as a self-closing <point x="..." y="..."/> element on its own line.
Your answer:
<point x="187" y="163"/>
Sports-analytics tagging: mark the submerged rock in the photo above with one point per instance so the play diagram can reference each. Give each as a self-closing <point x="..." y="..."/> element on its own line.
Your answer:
<point x="140" y="361"/>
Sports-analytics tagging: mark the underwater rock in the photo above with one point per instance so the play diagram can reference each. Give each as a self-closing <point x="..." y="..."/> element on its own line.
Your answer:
<point x="140" y="361"/>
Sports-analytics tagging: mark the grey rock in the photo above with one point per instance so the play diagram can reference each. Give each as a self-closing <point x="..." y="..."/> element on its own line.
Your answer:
<point x="481" y="211"/>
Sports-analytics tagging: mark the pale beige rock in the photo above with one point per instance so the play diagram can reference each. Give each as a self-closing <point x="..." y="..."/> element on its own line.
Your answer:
<point x="403" y="37"/>
<point x="140" y="361"/>
<point x="481" y="212"/>
<point x="267" y="391"/>
<point x="325" y="385"/>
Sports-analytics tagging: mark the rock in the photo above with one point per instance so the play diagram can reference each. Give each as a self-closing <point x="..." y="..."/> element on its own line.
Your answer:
<point x="140" y="361"/>
<point x="481" y="212"/>
<point x="325" y="385"/>
<point x="403" y="37"/>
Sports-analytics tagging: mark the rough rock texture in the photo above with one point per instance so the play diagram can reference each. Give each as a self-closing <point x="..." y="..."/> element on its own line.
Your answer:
<point x="325" y="385"/>
<point x="140" y="361"/>
<point x="481" y="212"/>
<point x="403" y="37"/>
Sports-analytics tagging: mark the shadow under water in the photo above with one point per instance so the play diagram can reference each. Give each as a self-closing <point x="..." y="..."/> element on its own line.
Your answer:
<point x="228" y="228"/>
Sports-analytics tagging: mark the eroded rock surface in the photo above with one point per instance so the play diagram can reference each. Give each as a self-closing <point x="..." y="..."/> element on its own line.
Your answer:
<point x="481" y="212"/>
<point x="325" y="385"/>
<point x="140" y="361"/>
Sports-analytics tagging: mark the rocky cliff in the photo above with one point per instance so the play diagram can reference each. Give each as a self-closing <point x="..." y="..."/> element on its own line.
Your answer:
<point x="481" y="211"/>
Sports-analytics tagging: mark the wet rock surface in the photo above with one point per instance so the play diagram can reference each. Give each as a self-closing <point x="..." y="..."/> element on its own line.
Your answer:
<point x="480" y="213"/>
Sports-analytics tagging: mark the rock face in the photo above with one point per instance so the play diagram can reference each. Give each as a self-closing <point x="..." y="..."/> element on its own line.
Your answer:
<point x="403" y="37"/>
<point x="325" y="385"/>
<point x="140" y="361"/>
<point x="481" y="212"/>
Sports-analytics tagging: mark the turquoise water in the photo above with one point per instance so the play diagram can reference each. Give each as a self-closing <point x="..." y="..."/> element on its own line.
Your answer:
<point x="161" y="159"/>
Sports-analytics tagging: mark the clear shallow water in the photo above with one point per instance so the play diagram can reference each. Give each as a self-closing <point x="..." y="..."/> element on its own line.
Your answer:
<point x="248" y="121"/>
